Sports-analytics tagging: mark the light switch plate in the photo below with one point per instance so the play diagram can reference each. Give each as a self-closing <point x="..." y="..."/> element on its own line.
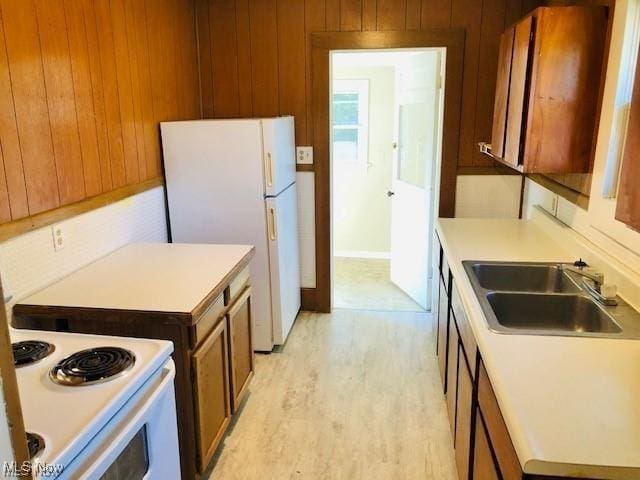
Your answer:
<point x="304" y="155"/>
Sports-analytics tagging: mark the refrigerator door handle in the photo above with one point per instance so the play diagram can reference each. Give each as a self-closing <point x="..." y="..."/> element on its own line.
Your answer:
<point x="269" y="169"/>
<point x="272" y="224"/>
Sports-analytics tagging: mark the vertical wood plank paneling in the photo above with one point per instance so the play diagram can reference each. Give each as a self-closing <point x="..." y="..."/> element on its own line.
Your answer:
<point x="136" y="92"/>
<point x="332" y="12"/>
<point x="264" y="57"/>
<point x="493" y="19"/>
<point x="291" y="65"/>
<point x="224" y="52"/>
<point x="436" y="14"/>
<point x="190" y="60"/>
<point x="79" y="84"/>
<point x="150" y="130"/>
<point x="314" y="21"/>
<point x="5" y="210"/>
<point x="350" y="15"/>
<point x="110" y="91"/>
<point x="60" y="100"/>
<point x="369" y="15"/>
<point x="83" y="93"/>
<point x="392" y="14"/>
<point x="412" y="20"/>
<point x="125" y="91"/>
<point x="97" y="88"/>
<point x="186" y="60"/>
<point x="30" y="99"/>
<point x="9" y="141"/>
<point x="466" y="14"/>
<point x="205" y="57"/>
<point x="162" y="55"/>
<point x="513" y="12"/>
<point x="243" y="34"/>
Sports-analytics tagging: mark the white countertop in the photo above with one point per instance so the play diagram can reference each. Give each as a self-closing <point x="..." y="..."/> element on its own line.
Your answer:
<point x="571" y="405"/>
<point x="163" y="277"/>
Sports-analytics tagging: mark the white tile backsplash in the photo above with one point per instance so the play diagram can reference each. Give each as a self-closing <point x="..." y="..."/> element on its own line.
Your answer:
<point x="29" y="262"/>
<point x="307" y="228"/>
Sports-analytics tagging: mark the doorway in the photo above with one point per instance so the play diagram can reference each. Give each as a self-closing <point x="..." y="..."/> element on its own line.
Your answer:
<point x="386" y="112"/>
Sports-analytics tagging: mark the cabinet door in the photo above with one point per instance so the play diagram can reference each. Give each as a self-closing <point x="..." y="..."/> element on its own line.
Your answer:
<point x="452" y="374"/>
<point x="443" y="332"/>
<point x="484" y="468"/>
<point x="565" y="87"/>
<point x="240" y="347"/>
<point x="502" y="93"/>
<point x="518" y="85"/>
<point x="211" y="393"/>
<point x="463" y="419"/>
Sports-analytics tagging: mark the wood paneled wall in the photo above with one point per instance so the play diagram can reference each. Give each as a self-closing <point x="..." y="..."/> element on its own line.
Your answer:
<point x="254" y="55"/>
<point x="83" y="85"/>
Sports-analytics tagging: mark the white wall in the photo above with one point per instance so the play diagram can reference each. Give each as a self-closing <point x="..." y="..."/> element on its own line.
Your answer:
<point x="29" y="262"/>
<point x="488" y="196"/>
<point x="361" y="208"/>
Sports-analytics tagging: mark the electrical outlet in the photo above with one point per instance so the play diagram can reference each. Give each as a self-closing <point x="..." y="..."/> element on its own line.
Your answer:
<point x="58" y="237"/>
<point x="304" y="155"/>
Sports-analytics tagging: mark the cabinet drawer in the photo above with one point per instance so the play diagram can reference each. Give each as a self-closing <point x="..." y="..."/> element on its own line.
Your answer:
<point x="466" y="333"/>
<point x="238" y="284"/>
<point x="208" y="320"/>
<point x="497" y="430"/>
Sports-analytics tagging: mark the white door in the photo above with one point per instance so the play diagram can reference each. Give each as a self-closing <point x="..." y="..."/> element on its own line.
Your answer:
<point x="278" y="136"/>
<point x="412" y="194"/>
<point x="284" y="263"/>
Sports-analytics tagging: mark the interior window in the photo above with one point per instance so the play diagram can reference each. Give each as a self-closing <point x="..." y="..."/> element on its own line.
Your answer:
<point x="350" y="121"/>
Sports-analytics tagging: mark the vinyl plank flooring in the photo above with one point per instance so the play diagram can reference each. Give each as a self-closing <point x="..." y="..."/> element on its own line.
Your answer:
<point x="351" y="393"/>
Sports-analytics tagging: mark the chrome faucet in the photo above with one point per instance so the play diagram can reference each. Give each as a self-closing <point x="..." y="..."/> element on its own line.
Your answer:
<point x="594" y="289"/>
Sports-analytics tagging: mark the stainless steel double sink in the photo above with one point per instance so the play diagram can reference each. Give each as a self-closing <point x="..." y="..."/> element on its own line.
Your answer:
<point x="545" y="299"/>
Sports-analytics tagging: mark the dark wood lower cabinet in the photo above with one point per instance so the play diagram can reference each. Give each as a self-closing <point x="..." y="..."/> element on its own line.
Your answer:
<point x="452" y="376"/>
<point x="463" y="417"/>
<point x="484" y="467"/>
<point x="210" y="367"/>
<point x="443" y="331"/>
<point x="240" y="347"/>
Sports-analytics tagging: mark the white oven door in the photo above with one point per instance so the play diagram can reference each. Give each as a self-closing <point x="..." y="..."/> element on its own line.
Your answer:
<point x="140" y="442"/>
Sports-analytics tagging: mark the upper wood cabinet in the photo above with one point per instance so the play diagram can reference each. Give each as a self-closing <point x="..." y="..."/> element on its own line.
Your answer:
<point x="628" y="204"/>
<point x="547" y="90"/>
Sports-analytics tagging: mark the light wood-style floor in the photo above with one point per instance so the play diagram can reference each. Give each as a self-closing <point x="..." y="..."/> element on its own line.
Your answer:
<point x="365" y="284"/>
<point x="353" y="395"/>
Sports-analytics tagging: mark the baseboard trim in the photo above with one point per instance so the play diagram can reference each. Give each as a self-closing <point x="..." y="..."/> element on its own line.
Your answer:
<point x="361" y="254"/>
<point x="308" y="301"/>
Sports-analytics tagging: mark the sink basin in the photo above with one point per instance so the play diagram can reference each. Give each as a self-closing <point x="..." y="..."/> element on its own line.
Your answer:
<point x="524" y="277"/>
<point x="567" y="313"/>
<point x="543" y="299"/>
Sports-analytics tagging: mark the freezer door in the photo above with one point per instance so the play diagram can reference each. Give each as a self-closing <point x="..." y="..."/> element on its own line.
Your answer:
<point x="279" y="154"/>
<point x="284" y="263"/>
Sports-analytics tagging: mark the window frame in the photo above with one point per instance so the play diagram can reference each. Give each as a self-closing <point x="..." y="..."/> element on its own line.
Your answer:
<point x="361" y="88"/>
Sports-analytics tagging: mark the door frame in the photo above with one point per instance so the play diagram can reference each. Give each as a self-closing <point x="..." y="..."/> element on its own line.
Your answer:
<point x="322" y="44"/>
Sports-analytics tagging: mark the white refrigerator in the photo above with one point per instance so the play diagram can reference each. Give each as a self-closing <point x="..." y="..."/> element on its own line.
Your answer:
<point x="233" y="182"/>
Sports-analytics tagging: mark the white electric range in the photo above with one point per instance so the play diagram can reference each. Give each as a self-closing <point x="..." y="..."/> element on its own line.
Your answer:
<point x="96" y="406"/>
